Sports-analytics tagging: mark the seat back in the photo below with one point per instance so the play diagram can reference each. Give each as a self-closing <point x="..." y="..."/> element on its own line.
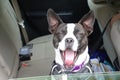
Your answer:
<point x="115" y="34"/>
<point x="10" y="40"/>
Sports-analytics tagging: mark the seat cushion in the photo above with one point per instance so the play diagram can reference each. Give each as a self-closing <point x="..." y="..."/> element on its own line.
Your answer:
<point x="42" y="47"/>
<point x="39" y="67"/>
<point x="41" y="61"/>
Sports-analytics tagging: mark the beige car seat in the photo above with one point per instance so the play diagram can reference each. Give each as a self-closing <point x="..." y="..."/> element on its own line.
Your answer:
<point x="115" y="33"/>
<point x="103" y="12"/>
<point x="10" y="44"/>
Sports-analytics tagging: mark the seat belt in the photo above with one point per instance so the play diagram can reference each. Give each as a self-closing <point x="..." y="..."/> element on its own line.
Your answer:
<point x="97" y="44"/>
<point x="20" y="20"/>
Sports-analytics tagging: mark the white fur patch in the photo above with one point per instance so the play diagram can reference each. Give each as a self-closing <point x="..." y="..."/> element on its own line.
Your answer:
<point x="58" y="58"/>
<point x="82" y="57"/>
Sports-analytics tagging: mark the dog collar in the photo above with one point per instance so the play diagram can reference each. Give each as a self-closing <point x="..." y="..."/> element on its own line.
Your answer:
<point x="78" y="67"/>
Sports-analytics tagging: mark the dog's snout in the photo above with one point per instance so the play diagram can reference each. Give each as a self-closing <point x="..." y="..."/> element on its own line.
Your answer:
<point x="69" y="40"/>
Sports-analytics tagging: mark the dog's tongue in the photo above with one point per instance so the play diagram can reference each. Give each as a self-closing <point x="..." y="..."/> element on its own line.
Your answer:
<point x="69" y="56"/>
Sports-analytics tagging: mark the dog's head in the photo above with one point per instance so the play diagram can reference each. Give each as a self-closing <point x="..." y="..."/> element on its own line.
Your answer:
<point x="70" y="39"/>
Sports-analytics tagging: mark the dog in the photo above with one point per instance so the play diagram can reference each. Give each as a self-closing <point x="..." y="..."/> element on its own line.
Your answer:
<point x="70" y="41"/>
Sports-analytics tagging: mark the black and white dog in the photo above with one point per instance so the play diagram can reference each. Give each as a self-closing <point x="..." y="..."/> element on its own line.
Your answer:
<point x="70" y="43"/>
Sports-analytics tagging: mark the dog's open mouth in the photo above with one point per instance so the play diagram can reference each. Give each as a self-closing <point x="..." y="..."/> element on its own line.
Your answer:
<point x="68" y="57"/>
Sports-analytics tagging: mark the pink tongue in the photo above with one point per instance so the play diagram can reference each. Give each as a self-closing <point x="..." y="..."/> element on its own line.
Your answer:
<point x="69" y="57"/>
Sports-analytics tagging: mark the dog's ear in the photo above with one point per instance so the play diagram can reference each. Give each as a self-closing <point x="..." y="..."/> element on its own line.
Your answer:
<point x="88" y="21"/>
<point x="53" y="20"/>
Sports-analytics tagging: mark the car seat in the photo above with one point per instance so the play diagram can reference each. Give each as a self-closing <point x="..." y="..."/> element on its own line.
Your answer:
<point x="11" y="43"/>
<point x="115" y="34"/>
<point x="103" y="13"/>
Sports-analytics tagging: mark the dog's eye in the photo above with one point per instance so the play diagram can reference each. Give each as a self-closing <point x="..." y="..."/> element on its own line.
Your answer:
<point x="81" y="34"/>
<point x="60" y="35"/>
<point x="76" y="31"/>
<point x="63" y="31"/>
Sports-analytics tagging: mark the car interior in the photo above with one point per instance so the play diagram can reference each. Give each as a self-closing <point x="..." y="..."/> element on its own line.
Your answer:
<point x="20" y="58"/>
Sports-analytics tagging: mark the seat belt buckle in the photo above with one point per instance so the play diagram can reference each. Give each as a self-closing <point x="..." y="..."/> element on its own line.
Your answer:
<point x="21" y="23"/>
<point x="25" y="52"/>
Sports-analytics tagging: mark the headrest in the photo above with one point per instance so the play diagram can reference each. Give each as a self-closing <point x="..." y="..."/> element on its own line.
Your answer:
<point x="112" y="2"/>
<point x="99" y="1"/>
<point x="115" y="18"/>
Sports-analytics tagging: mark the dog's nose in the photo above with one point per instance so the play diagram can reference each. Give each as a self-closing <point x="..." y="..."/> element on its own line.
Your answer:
<point x="69" y="40"/>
